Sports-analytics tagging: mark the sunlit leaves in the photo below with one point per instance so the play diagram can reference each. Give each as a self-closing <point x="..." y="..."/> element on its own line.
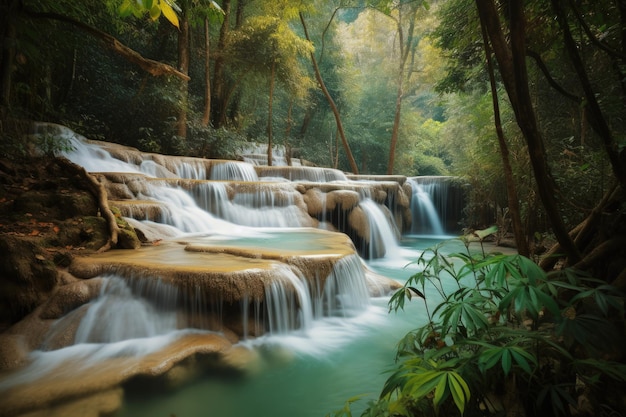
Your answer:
<point x="168" y="12"/>
<point x="154" y="8"/>
<point x="267" y="41"/>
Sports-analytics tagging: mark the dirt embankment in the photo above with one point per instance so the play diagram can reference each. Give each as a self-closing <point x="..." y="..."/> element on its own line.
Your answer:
<point x="47" y="216"/>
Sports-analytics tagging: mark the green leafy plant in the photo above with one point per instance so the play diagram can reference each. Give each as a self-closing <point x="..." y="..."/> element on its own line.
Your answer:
<point x="502" y="334"/>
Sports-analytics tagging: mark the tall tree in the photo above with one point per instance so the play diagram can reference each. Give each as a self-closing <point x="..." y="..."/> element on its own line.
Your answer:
<point x="183" y="67"/>
<point x="340" y="131"/>
<point x="405" y="15"/>
<point x="521" y="240"/>
<point x="511" y="58"/>
<point x="219" y="92"/>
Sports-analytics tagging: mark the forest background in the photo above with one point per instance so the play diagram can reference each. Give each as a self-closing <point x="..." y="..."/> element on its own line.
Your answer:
<point x="406" y="90"/>
<point x="524" y="102"/>
<point x="536" y="131"/>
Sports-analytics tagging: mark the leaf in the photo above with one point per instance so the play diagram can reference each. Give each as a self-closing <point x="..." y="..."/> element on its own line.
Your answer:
<point x="216" y="6"/>
<point x="460" y="391"/>
<point x="416" y="291"/>
<point x="522" y="357"/>
<point x="488" y="359"/>
<point x="169" y="13"/>
<point x="155" y="12"/>
<point x="506" y="361"/>
<point x="440" y="390"/>
<point x="125" y="9"/>
<point x="482" y="234"/>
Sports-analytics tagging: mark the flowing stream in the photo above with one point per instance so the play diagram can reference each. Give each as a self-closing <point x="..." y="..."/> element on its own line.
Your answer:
<point x="344" y="343"/>
<point x="304" y="376"/>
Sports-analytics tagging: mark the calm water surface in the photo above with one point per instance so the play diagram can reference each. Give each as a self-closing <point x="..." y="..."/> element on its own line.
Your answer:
<point x="302" y="375"/>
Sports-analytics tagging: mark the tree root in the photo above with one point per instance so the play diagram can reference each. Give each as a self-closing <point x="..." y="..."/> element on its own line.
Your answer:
<point x="99" y="192"/>
<point x="584" y="232"/>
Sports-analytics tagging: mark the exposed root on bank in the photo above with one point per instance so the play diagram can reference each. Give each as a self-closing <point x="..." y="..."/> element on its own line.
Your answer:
<point x="99" y="192"/>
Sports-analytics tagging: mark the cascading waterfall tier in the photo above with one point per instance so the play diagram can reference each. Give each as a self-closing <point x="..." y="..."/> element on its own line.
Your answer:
<point x="437" y="204"/>
<point x="218" y="283"/>
<point x="227" y="256"/>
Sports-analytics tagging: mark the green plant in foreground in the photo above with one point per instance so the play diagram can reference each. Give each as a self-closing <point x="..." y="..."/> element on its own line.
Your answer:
<point x="503" y="337"/>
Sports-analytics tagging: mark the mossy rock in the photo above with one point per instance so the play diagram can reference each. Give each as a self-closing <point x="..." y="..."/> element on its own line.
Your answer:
<point x="127" y="237"/>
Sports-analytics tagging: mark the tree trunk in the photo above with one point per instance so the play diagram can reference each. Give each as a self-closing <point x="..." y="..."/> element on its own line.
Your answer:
<point x="269" y="115"/>
<point x="521" y="241"/>
<point x="395" y="129"/>
<point x="288" y="134"/>
<point x="7" y="53"/>
<point x="183" y="67"/>
<point x="331" y="103"/>
<point x="218" y="109"/>
<point x="405" y="49"/>
<point x="512" y="64"/>
<point x="206" y="115"/>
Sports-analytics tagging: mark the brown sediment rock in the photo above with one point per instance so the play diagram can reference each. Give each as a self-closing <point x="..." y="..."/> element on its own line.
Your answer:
<point x="72" y="379"/>
<point x="359" y="222"/>
<point x="379" y="285"/>
<point x="13" y="351"/>
<point x="315" y="201"/>
<point x="139" y="209"/>
<point x="70" y="297"/>
<point x="235" y="273"/>
<point x="345" y="199"/>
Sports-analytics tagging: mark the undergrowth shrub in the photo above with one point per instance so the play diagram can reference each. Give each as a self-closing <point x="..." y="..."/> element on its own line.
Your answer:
<point x="505" y="338"/>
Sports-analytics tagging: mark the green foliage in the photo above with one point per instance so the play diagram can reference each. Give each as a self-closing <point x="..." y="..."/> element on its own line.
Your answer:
<point x="154" y="8"/>
<point x="50" y="144"/>
<point x="498" y="323"/>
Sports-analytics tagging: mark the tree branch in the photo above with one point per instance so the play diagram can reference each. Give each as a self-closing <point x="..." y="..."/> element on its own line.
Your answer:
<point x="546" y="72"/>
<point x="602" y="45"/>
<point x="153" y="67"/>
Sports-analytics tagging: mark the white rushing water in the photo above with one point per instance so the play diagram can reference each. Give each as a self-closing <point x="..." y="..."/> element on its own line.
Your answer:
<point x="343" y="339"/>
<point x="426" y="218"/>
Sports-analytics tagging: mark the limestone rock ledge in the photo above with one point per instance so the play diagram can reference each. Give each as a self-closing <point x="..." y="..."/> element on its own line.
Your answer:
<point x="226" y="270"/>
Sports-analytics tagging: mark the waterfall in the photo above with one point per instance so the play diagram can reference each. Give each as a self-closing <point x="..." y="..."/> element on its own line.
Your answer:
<point x="426" y="220"/>
<point x="261" y="208"/>
<point x="152" y="169"/>
<point x="119" y="315"/>
<point x="182" y="212"/>
<point x="196" y="171"/>
<point x="345" y="293"/>
<point x="92" y="157"/>
<point x="288" y="303"/>
<point x="233" y="171"/>
<point x="216" y="208"/>
<point x="383" y="231"/>
<point x="301" y="173"/>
